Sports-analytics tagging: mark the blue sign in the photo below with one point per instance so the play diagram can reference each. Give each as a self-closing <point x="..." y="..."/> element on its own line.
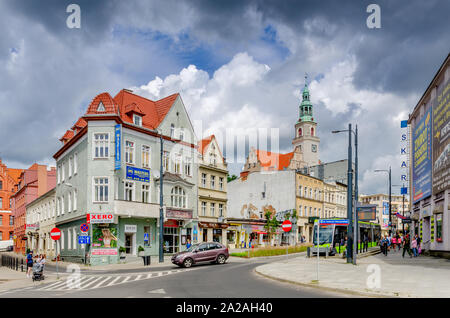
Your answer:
<point x="138" y="174"/>
<point x="341" y="222"/>
<point x="118" y="148"/>
<point x="145" y="236"/>
<point x="195" y="230"/>
<point x="385" y="208"/>
<point x="403" y="124"/>
<point x="421" y="158"/>
<point x="404" y="190"/>
<point x="84" y="240"/>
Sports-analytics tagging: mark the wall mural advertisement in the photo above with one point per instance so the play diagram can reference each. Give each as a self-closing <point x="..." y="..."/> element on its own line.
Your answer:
<point x="421" y="147"/>
<point x="441" y="139"/>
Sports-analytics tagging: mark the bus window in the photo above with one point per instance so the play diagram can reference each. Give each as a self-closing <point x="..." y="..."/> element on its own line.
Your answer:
<point x="339" y="235"/>
<point x="325" y="234"/>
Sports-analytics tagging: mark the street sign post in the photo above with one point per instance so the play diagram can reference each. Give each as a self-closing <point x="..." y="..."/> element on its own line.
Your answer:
<point x="287" y="227"/>
<point x="55" y="234"/>
<point x="84" y="239"/>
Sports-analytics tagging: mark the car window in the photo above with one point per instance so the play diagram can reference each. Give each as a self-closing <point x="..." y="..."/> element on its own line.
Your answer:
<point x="203" y="247"/>
<point x="212" y="246"/>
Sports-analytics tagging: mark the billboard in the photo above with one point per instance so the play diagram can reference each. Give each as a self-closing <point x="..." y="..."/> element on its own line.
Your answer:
<point x="385" y="208"/>
<point x="118" y="146"/>
<point x="138" y="174"/>
<point x="441" y="138"/>
<point x="421" y="156"/>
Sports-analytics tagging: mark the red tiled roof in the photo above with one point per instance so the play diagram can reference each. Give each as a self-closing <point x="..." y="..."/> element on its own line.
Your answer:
<point x="273" y="160"/>
<point x="69" y="134"/>
<point x="202" y="144"/>
<point x="81" y="123"/>
<point x="133" y="108"/>
<point x="107" y="101"/>
<point x="14" y="173"/>
<point x="153" y="111"/>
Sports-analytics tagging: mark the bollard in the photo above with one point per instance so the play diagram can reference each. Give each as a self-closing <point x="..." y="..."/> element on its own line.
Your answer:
<point x="17" y="264"/>
<point x="308" y="252"/>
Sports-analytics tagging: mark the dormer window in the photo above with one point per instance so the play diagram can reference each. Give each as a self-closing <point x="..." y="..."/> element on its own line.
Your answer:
<point x="137" y="120"/>
<point x="101" y="107"/>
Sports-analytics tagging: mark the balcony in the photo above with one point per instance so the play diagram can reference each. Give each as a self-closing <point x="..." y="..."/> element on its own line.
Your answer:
<point x="136" y="209"/>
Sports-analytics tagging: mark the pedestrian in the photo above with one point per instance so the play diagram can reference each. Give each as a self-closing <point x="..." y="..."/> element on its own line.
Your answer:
<point x="394" y="242"/>
<point x="188" y="243"/>
<point x="414" y="246"/>
<point x="29" y="263"/>
<point x="399" y="242"/>
<point x="366" y="242"/>
<point x="385" y="245"/>
<point x="418" y="239"/>
<point x="406" y="247"/>
<point x="344" y="244"/>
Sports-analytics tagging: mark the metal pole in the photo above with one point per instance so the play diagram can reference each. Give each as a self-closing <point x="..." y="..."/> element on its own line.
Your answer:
<point x="390" y="199"/>
<point x="349" y="196"/>
<point x="403" y="223"/>
<point x="318" y="250"/>
<point x="161" y="213"/>
<point x="356" y="228"/>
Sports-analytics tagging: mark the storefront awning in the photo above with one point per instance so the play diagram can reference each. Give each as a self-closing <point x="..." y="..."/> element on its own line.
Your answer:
<point x="171" y="223"/>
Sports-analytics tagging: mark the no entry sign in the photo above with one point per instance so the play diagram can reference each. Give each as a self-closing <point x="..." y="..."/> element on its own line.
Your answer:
<point x="55" y="234"/>
<point x="286" y="226"/>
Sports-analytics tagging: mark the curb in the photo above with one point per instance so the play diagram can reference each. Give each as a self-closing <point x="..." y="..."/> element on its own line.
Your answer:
<point x="344" y="291"/>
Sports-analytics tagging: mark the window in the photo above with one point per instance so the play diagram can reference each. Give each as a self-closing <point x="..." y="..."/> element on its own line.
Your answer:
<point x="59" y="174"/>
<point x="172" y="130"/>
<point x="70" y="167"/>
<point x="63" y="176"/>
<point x="11" y="220"/>
<point x="166" y="160"/>
<point x="213" y="182"/>
<point x="101" y="145"/>
<point x="177" y="164"/>
<point x="1" y="203"/>
<point x="75" y="199"/>
<point x="181" y="134"/>
<point x="137" y="120"/>
<point x="178" y="197"/>
<point x="204" y="208"/>
<point x="300" y="211"/>
<point x="213" y="207"/>
<point x="204" y="180"/>
<point x="62" y="205"/>
<point x="74" y="238"/>
<point x="310" y="211"/>
<point x="58" y="206"/>
<point x="221" y="183"/>
<point x="314" y="148"/>
<point x="146" y="156"/>
<point x="1" y="184"/>
<point x="101" y="190"/>
<point x="69" y="241"/>
<point x="220" y="209"/>
<point x="188" y="166"/>
<point x="310" y="193"/>
<point x="129" y="152"/>
<point x="75" y="163"/>
<point x="129" y="191"/>
<point x="69" y="202"/>
<point x="1" y="219"/>
<point x="53" y="208"/>
<point x="145" y="193"/>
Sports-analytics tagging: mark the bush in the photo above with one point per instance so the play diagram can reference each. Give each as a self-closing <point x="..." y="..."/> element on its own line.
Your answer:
<point x="122" y="249"/>
<point x="271" y="251"/>
<point x="140" y="248"/>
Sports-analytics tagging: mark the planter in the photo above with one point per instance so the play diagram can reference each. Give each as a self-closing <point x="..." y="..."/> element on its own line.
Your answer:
<point x="122" y="255"/>
<point x="140" y="254"/>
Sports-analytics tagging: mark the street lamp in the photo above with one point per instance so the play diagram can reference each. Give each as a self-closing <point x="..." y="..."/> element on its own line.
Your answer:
<point x="353" y="240"/>
<point x="390" y="195"/>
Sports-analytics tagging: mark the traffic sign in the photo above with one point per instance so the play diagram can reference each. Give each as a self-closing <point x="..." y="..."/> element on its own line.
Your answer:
<point x="341" y="222"/>
<point x="84" y="239"/>
<point x="55" y="234"/>
<point x="146" y="237"/>
<point x="84" y="227"/>
<point x="286" y="226"/>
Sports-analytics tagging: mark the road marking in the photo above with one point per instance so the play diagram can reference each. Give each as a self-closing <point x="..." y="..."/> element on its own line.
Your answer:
<point x="149" y="275"/>
<point x="138" y="277"/>
<point x="57" y="284"/>
<point x="114" y="280"/>
<point x="125" y="280"/>
<point x="99" y="284"/>
<point x="157" y="291"/>
<point x="95" y="280"/>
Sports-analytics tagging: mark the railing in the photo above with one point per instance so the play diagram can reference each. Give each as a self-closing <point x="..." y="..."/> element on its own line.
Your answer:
<point x="12" y="262"/>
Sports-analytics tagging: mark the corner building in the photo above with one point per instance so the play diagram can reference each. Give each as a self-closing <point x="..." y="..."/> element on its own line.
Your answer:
<point x="109" y="169"/>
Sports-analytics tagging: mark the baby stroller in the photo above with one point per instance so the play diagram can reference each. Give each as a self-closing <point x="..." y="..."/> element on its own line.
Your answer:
<point x="38" y="272"/>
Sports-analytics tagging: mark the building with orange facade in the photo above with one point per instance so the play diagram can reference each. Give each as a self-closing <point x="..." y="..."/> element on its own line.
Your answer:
<point x="8" y="178"/>
<point x="33" y="182"/>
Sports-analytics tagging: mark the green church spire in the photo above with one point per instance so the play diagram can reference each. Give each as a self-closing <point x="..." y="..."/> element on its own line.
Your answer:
<point x="306" y="108"/>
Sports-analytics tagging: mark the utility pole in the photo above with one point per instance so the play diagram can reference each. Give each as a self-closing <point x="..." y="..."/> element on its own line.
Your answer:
<point x="161" y="212"/>
<point x="403" y="212"/>
<point x="390" y="202"/>
<point x="356" y="228"/>
<point x="349" y="197"/>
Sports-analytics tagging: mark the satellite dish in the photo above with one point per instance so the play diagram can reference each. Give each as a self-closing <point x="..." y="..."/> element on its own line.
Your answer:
<point x="156" y="174"/>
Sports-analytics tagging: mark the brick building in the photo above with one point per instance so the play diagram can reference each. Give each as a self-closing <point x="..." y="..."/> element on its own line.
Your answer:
<point x="33" y="182"/>
<point x="8" y="178"/>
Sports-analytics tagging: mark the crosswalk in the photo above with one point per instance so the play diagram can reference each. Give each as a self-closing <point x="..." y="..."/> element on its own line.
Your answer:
<point x="100" y="281"/>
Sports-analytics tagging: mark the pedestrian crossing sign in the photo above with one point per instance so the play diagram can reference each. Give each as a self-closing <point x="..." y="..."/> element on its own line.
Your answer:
<point x="146" y="237"/>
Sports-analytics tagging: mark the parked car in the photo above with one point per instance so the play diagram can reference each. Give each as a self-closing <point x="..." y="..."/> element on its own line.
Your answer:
<point x="203" y="252"/>
<point x="10" y="248"/>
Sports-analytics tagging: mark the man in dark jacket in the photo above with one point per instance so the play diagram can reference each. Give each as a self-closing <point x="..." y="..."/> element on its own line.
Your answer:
<point x="406" y="246"/>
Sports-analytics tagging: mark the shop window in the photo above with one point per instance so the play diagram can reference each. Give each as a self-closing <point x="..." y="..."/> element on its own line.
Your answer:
<point x="147" y="235"/>
<point x="439" y="227"/>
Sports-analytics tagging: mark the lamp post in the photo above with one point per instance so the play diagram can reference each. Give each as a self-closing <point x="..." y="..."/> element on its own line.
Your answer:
<point x="353" y="219"/>
<point x="390" y="195"/>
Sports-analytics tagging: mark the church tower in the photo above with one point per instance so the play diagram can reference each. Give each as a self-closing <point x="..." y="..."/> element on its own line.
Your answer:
<point x="305" y="131"/>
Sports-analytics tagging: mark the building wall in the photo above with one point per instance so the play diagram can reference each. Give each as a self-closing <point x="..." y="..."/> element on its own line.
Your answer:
<point x="8" y="178"/>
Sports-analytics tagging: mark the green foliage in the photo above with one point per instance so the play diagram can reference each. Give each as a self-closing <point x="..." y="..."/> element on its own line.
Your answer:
<point x="122" y="249"/>
<point x="140" y="248"/>
<point x="271" y="223"/>
<point x="271" y="251"/>
<point x="231" y="178"/>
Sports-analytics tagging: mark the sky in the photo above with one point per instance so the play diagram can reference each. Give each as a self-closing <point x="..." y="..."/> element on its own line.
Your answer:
<point x="238" y="65"/>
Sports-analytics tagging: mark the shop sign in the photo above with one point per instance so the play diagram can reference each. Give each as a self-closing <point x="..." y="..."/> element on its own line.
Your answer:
<point x="118" y="142"/>
<point x="96" y="218"/>
<point x="421" y="155"/>
<point x="32" y="227"/>
<point x="213" y="225"/>
<point x="138" y="174"/>
<point x="426" y="211"/>
<point x="104" y="251"/>
<point x="404" y="154"/>
<point x="130" y="228"/>
<point x="171" y="223"/>
<point x="181" y="214"/>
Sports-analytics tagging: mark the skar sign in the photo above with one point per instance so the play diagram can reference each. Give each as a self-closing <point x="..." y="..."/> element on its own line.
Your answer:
<point x="404" y="152"/>
<point x="441" y="138"/>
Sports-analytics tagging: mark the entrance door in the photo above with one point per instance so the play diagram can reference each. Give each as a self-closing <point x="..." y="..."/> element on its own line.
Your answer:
<point x="129" y="243"/>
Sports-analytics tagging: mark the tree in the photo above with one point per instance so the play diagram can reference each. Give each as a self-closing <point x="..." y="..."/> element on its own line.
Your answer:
<point x="231" y="178"/>
<point x="272" y="224"/>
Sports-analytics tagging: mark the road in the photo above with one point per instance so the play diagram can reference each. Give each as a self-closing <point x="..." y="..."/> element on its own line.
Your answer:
<point x="235" y="279"/>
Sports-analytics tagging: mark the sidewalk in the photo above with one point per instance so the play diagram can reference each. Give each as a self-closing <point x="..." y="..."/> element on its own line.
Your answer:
<point x="11" y="279"/>
<point x="399" y="277"/>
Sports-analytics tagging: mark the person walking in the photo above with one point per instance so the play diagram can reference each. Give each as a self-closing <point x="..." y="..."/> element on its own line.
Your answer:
<point x="414" y="246"/>
<point x="344" y="245"/>
<point x="406" y="247"/>
<point x="418" y="239"/>
<point x="394" y="242"/>
<point x="366" y="243"/>
<point x="29" y="263"/>
<point x="188" y="243"/>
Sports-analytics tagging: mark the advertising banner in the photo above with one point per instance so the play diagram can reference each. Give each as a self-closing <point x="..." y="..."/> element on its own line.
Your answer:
<point x="104" y="251"/>
<point x="118" y="147"/>
<point x="441" y="139"/>
<point x="104" y="236"/>
<point x="421" y="147"/>
<point x="385" y="208"/>
<point x="138" y="174"/>
<point x="97" y="218"/>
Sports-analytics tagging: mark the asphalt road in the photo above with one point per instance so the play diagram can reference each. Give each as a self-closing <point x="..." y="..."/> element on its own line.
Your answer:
<point x="235" y="279"/>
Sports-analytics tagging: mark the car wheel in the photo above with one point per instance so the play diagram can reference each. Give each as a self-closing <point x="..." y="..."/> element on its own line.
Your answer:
<point x="221" y="259"/>
<point x="187" y="262"/>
